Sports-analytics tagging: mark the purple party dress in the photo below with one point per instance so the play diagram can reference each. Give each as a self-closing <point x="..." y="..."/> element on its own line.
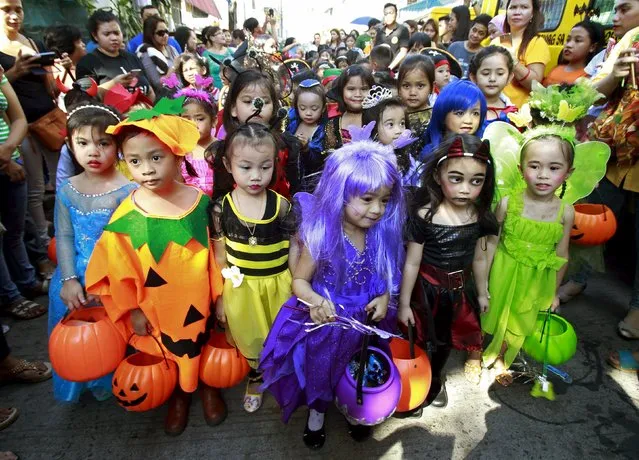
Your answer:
<point x="303" y="368"/>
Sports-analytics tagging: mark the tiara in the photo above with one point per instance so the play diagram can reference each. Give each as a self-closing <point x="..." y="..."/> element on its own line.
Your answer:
<point x="91" y="106"/>
<point x="376" y="95"/>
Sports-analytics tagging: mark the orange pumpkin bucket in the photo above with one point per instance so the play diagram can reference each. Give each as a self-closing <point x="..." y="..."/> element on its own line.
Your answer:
<point x="414" y="369"/>
<point x="221" y="364"/>
<point x="85" y="345"/>
<point x="143" y="382"/>
<point x="594" y="224"/>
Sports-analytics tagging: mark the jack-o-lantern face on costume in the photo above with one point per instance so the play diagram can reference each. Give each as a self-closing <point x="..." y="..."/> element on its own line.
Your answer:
<point x="165" y="267"/>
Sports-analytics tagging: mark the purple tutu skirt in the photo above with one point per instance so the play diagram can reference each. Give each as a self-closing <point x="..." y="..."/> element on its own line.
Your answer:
<point x="303" y="368"/>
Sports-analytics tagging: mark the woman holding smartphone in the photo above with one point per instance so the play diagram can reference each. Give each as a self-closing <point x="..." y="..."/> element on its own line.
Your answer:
<point x="109" y="64"/>
<point x="530" y="51"/>
<point x="35" y="93"/>
<point x="156" y="55"/>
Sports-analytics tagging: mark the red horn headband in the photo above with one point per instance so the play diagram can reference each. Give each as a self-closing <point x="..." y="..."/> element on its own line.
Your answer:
<point x="456" y="150"/>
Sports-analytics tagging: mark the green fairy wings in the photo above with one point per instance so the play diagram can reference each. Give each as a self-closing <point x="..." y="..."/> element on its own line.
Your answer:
<point x="506" y="144"/>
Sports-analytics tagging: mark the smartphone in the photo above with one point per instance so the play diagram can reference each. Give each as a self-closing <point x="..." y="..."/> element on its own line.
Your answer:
<point x="45" y="59"/>
<point x="506" y="40"/>
<point x="135" y="72"/>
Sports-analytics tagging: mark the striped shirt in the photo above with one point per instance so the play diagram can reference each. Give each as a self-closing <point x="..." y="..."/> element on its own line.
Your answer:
<point x="4" y="127"/>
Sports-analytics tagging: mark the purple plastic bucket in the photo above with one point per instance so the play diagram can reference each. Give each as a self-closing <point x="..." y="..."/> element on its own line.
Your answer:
<point x="378" y="403"/>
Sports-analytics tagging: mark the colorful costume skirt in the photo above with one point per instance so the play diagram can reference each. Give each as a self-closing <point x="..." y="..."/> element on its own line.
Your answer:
<point x="446" y="309"/>
<point x="251" y="309"/>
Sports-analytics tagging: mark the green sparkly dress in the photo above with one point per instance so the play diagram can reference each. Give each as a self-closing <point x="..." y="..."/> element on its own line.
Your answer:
<point x="522" y="279"/>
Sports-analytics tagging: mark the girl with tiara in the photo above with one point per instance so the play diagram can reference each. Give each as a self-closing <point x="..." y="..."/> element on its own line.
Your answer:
<point x="415" y="83"/>
<point x="350" y="265"/>
<point x="446" y="253"/>
<point x="306" y="121"/>
<point x="83" y="206"/>
<point x="349" y="90"/>
<point x="386" y="121"/>
<point x="153" y="266"/>
<point x="460" y="109"/>
<point x="251" y="238"/>
<point x="253" y="98"/>
<point x="199" y="108"/>
<point x="527" y="260"/>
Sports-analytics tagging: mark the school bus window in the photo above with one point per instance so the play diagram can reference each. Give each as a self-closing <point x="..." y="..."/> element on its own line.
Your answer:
<point x="603" y="12"/>
<point x="551" y="12"/>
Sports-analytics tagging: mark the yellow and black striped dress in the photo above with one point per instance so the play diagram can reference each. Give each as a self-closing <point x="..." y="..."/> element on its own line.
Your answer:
<point x="252" y="307"/>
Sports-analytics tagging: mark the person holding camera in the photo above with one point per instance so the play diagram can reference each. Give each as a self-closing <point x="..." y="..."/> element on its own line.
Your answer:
<point x="27" y="68"/>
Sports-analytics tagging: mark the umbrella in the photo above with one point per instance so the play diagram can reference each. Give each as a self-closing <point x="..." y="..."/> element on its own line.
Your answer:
<point x="362" y="21"/>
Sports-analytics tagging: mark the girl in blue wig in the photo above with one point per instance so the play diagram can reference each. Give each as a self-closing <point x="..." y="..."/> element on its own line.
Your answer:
<point x="349" y="266"/>
<point x="460" y="109"/>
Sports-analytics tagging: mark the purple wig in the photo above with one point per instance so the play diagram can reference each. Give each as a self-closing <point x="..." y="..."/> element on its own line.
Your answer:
<point x="349" y="172"/>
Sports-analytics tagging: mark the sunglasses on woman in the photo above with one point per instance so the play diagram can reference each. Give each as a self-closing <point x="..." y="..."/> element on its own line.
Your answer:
<point x="161" y="33"/>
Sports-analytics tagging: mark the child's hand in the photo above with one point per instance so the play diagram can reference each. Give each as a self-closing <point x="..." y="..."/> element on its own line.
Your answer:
<point x="405" y="316"/>
<point x="379" y="307"/>
<point x="303" y="139"/>
<point x="219" y="310"/>
<point x="72" y="294"/>
<point x="484" y="303"/>
<point x="555" y="304"/>
<point x="324" y="312"/>
<point x="140" y="323"/>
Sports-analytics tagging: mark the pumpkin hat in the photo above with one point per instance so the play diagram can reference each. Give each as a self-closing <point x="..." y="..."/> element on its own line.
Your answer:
<point x="554" y="109"/>
<point x="164" y="122"/>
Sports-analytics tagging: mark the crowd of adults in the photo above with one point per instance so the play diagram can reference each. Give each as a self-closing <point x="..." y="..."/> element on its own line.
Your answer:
<point x="28" y="93"/>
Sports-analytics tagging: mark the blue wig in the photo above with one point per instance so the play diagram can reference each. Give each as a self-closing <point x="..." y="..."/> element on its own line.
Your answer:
<point x="349" y="172"/>
<point x="457" y="95"/>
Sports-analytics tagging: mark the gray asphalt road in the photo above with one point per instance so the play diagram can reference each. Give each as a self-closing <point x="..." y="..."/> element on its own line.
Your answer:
<point x="597" y="416"/>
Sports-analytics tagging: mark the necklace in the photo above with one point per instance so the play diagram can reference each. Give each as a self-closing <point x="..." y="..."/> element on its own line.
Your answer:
<point x="252" y="241"/>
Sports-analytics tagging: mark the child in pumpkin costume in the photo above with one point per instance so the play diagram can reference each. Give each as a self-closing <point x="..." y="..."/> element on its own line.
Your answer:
<point x="153" y="267"/>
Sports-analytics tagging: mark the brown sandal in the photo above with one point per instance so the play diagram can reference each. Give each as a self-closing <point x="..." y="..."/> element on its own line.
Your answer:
<point x="504" y="376"/>
<point x="28" y="372"/>
<point x="8" y="415"/>
<point x="26" y="309"/>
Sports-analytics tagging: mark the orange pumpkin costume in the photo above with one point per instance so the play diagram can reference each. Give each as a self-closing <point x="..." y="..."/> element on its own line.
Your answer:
<point x="163" y="265"/>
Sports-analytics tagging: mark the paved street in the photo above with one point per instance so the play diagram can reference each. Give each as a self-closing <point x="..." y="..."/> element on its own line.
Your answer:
<point x="597" y="416"/>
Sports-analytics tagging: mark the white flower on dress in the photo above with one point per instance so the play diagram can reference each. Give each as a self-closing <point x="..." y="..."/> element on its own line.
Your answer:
<point x="234" y="275"/>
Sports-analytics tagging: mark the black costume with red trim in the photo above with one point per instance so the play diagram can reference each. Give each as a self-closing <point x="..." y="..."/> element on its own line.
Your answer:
<point x="445" y="303"/>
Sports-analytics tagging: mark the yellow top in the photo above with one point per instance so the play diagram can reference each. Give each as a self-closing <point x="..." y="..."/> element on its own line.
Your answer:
<point x="537" y="52"/>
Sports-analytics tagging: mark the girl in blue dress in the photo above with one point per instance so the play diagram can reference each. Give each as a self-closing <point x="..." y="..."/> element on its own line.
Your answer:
<point x="84" y="204"/>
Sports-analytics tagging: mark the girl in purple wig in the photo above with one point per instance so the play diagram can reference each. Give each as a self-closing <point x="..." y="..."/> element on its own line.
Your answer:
<point x="349" y="266"/>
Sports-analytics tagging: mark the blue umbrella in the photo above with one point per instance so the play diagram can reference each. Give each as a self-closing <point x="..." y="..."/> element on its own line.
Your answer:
<point x="362" y="21"/>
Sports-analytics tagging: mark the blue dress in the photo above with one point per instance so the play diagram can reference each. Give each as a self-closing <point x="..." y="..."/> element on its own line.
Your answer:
<point x="79" y="221"/>
<point x="303" y="368"/>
